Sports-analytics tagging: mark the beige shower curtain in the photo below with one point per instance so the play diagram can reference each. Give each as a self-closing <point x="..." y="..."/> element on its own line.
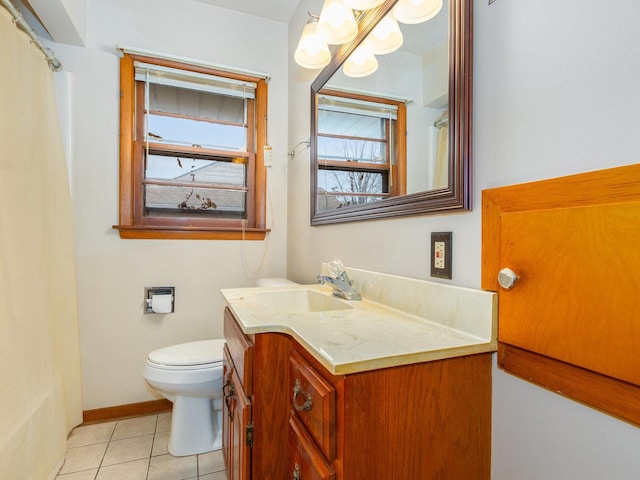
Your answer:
<point x="441" y="170"/>
<point x="40" y="396"/>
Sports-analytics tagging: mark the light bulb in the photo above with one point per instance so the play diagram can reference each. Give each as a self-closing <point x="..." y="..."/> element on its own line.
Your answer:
<point x="386" y="37"/>
<point x="416" y="11"/>
<point x="361" y="62"/>
<point x="312" y="51"/>
<point x="337" y="24"/>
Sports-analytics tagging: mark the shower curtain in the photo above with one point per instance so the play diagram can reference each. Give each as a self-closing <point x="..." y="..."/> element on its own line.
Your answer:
<point x="40" y="394"/>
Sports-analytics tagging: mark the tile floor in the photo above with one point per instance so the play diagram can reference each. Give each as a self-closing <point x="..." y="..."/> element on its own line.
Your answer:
<point x="134" y="449"/>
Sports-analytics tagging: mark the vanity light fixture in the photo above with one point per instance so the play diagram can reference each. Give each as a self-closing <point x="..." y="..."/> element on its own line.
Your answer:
<point x="416" y="11"/>
<point x="337" y="24"/>
<point x="361" y="62"/>
<point x="312" y="51"/>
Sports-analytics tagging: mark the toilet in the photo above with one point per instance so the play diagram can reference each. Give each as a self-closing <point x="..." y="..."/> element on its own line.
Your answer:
<point x="190" y="376"/>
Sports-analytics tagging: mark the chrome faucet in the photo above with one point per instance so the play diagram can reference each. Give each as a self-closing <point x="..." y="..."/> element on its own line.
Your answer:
<point x="339" y="280"/>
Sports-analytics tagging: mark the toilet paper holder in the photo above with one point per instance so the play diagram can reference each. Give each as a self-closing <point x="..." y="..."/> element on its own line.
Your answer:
<point x="149" y="292"/>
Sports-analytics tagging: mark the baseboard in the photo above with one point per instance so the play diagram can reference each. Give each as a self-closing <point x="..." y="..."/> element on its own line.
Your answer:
<point x="124" y="411"/>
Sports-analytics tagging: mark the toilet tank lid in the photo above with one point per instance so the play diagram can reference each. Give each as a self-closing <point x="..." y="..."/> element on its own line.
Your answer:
<point x="191" y="353"/>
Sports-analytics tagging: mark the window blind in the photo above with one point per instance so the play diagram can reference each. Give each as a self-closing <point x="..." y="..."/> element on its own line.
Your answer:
<point x="358" y="107"/>
<point x="193" y="80"/>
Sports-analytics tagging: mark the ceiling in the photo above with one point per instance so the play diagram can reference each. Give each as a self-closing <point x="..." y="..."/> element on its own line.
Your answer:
<point x="278" y="10"/>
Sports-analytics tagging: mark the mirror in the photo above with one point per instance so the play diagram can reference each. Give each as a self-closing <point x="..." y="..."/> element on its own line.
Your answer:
<point x="427" y="172"/>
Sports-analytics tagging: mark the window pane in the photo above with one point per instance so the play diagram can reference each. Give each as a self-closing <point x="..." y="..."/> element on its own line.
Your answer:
<point x="351" y="150"/>
<point x="195" y="202"/>
<point x="168" y="197"/>
<point x="349" y="124"/>
<point x="183" y="131"/>
<point x="331" y="201"/>
<point x="341" y="181"/>
<point x="219" y="170"/>
<point x="188" y="117"/>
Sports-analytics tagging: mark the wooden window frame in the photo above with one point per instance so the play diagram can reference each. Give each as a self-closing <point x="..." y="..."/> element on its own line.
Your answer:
<point x="133" y="224"/>
<point x="394" y="175"/>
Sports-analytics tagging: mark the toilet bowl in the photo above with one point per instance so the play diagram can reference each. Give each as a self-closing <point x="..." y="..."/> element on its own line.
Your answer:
<point x="190" y="376"/>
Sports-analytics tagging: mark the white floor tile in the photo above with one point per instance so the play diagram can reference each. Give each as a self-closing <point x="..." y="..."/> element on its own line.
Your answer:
<point x="166" y="467"/>
<point x="134" y="449"/>
<point x="83" y="458"/>
<point x="128" y="449"/>
<point x="135" y="427"/>
<point x="164" y="422"/>
<point x="214" y="476"/>
<point x="136" y="470"/>
<point x="90" y="434"/>
<point x="84" y="475"/>
<point x="210" y="462"/>
<point x="160" y="444"/>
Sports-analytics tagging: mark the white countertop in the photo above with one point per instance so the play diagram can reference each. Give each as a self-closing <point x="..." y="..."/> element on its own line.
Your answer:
<point x="372" y="335"/>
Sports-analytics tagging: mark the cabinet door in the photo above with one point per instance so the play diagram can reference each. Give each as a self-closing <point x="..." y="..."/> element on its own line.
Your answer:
<point x="241" y="433"/>
<point x="570" y="323"/>
<point x="236" y="424"/>
<point x="305" y="460"/>
<point x="227" y="427"/>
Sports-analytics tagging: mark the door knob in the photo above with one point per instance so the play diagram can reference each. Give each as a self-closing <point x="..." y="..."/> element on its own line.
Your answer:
<point x="507" y="278"/>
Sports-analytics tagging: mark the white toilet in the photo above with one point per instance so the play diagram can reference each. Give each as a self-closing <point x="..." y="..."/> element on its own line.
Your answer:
<point x="190" y="375"/>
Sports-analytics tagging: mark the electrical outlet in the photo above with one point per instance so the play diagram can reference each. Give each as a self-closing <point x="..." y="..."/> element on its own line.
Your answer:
<point x="441" y="254"/>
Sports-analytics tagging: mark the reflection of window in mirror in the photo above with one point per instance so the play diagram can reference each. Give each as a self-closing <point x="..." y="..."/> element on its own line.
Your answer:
<point x="361" y="149"/>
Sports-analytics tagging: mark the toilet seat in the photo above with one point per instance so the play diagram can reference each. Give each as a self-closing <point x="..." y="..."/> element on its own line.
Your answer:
<point x="188" y="356"/>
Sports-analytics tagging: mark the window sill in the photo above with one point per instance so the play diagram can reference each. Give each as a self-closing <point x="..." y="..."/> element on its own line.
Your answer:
<point x="132" y="232"/>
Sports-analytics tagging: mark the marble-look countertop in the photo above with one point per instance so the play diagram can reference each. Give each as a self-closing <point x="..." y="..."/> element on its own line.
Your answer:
<point x="372" y="335"/>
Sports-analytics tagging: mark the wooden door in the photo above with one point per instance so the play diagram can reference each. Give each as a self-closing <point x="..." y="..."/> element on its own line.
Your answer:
<point x="570" y="322"/>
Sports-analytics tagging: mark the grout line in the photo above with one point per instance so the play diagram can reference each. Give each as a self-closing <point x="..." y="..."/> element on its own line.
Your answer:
<point x="153" y="443"/>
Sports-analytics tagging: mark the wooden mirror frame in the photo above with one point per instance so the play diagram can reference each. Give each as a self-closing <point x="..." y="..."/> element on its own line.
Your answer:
<point x="457" y="196"/>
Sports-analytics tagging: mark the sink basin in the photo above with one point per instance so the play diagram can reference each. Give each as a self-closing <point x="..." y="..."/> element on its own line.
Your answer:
<point x="300" y="301"/>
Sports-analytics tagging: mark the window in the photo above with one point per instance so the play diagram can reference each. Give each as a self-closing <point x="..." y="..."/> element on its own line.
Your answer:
<point x="361" y="149"/>
<point x="191" y="151"/>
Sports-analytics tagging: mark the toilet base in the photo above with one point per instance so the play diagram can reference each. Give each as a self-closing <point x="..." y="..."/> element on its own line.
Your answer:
<point x="195" y="427"/>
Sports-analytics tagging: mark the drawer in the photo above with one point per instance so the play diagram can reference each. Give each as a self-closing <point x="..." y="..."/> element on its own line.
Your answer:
<point x="240" y="349"/>
<point x="314" y="401"/>
<point x="305" y="460"/>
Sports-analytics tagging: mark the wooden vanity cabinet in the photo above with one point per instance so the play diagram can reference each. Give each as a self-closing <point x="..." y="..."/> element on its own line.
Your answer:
<point x="423" y="421"/>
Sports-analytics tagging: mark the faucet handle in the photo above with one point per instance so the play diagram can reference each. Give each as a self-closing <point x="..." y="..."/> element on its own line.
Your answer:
<point x="336" y="268"/>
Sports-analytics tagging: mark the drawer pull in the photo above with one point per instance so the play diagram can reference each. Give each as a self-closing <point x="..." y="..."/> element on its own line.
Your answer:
<point x="296" y="472"/>
<point x="297" y="390"/>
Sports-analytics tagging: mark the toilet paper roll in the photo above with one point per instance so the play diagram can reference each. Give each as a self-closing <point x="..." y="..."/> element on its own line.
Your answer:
<point x="161" y="303"/>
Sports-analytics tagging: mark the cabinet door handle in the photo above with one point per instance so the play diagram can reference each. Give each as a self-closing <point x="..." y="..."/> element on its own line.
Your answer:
<point x="296" y="472"/>
<point x="227" y="397"/>
<point x="297" y="390"/>
<point x="507" y="278"/>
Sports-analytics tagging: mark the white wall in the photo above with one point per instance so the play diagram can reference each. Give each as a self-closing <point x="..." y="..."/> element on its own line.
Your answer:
<point x="555" y="93"/>
<point x="112" y="273"/>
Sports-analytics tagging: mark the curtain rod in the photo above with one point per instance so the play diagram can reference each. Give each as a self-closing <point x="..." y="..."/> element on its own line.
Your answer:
<point x="54" y="63"/>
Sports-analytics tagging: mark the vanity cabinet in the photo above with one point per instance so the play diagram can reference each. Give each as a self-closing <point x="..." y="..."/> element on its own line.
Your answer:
<point x="423" y="421"/>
